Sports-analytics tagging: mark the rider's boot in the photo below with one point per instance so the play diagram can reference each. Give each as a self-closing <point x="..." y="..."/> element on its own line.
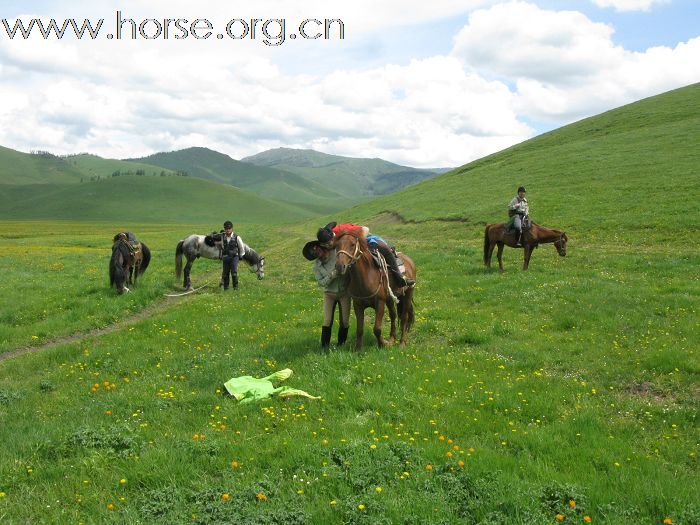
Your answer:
<point x="518" y="243"/>
<point x="394" y="265"/>
<point x="325" y="336"/>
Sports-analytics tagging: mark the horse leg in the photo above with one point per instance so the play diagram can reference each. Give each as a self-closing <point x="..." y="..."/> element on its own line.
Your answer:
<point x="359" y="331"/>
<point x="187" y="284"/>
<point x="489" y="254"/>
<point x="500" y="256"/>
<point x="135" y="270"/>
<point x="379" y="316"/>
<point x="392" y="317"/>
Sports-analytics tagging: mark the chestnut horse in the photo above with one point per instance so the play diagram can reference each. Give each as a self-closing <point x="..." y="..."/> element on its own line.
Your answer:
<point x="368" y="287"/>
<point x="495" y="234"/>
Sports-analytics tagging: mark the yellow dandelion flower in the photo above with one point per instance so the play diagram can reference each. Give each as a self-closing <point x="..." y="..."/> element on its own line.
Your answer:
<point x="668" y="521"/>
<point x="460" y="463"/>
<point x="110" y="506"/>
<point x="587" y="519"/>
<point x="260" y="496"/>
<point x="235" y="464"/>
<point x="559" y="517"/>
<point x="572" y="503"/>
<point x="361" y="506"/>
<point x="378" y="489"/>
<point x="428" y="467"/>
<point x="225" y="496"/>
<point x="332" y="502"/>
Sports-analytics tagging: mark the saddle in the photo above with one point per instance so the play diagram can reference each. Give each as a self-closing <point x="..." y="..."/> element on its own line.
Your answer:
<point x="380" y="262"/>
<point x="130" y="241"/>
<point x="526" y="224"/>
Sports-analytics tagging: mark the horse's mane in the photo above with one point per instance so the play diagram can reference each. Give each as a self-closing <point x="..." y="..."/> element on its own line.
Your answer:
<point x="116" y="270"/>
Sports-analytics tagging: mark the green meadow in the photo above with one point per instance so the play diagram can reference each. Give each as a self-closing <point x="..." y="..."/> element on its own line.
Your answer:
<point x="567" y="393"/>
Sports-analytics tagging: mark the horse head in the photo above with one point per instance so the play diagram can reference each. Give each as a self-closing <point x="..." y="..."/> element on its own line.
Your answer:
<point x="260" y="268"/>
<point x="348" y="250"/>
<point x="560" y="244"/>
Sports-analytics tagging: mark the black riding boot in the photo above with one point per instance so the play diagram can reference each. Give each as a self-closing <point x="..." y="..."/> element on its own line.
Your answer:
<point x="325" y="336"/>
<point x="342" y="335"/>
<point x="235" y="281"/>
<point x="518" y="243"/>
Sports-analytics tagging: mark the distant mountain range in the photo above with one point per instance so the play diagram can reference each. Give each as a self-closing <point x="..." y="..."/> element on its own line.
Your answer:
<point x="307" y="181"/>
<point x="347" y="175"/>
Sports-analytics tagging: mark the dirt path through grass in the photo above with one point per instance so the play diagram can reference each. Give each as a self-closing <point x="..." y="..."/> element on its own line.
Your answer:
<point x="150" y="310"/>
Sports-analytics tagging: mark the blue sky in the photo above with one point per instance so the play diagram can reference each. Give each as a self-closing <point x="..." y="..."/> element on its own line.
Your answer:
<point x="423" y="84"/>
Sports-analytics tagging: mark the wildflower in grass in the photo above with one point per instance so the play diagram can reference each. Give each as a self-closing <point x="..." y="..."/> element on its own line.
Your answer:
<point x="333" y="502"/>
<point x="361" y="506"/>
<point x="225" y="496"/>
<point x="260" y="496"/>
<point x="122" y="481"/>
<point x="378" y="490"/>
<point x="236" y="464"/>
<point x="373" y="446"/>
<point x="668" y="521"/>
<point x="559" y="517"/>
<point x="428" y="467"/>
<point x="572" y="503"/>
<point x="460" y="463"/>
<point x="110" y="506"/>
<point x="2" y="494"/>
<point x="587" y="519"/>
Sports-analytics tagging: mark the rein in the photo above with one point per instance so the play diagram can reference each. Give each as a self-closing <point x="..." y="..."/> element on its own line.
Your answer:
<point x="353" y="259"/>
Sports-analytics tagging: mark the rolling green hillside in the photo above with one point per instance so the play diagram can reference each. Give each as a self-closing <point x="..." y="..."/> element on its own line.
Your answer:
<point x="144" y="199"/>
<point x="267" y="182"/>
<point x="633" y="171"/>
<point x="24" y="168"/>
<point x="349" y="175"/>
<point x="94" y="166"/>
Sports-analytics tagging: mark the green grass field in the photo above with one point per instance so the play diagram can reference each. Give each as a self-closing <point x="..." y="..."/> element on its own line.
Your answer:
<point x="565" y="393"/>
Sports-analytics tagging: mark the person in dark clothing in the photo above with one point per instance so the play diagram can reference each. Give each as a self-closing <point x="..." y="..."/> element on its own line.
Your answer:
<point x="231" y="251"/>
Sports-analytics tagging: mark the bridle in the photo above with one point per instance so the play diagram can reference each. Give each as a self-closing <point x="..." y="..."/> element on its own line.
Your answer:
<point x="354" y="257"/>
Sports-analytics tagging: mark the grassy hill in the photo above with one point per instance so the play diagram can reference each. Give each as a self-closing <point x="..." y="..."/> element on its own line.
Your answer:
<point x="24" y="168"/>
<point x="633" y="170"/>
<point x="348" y="175"/>
<point x="268" y="182"/>
<point x="94" y="166"/>
<point x="144" y="199"/>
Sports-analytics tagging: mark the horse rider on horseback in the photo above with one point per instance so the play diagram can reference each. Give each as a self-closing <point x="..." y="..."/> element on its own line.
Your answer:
<point x="325" y="236"/>
<point x="519" y="210"/>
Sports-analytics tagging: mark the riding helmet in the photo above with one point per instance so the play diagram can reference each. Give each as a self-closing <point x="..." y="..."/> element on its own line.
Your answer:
<point x="228" y="224"/>
<point x="521" y="188"/>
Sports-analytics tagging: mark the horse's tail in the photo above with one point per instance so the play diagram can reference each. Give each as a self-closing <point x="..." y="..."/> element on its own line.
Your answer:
<point x="409" y="307"/>
<point x="146" y="258"/>
<point x="486" y="244"/>
<point x="178" y="259"/>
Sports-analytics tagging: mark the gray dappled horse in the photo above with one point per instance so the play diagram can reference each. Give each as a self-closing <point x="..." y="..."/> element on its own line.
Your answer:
<point x="209" y="246"/>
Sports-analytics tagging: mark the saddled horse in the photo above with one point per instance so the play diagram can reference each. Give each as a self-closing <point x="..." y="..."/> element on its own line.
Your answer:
<point x="129" y="259"/>
<point x="209" y="247"/>
<point x="496" y="235"/>
<point x="369" y="287"/>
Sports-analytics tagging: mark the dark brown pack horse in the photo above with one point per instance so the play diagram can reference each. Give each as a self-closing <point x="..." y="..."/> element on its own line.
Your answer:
<point x="130" y="259"/>
<point x="495" y="234"/>
<point x="368" y="288"/>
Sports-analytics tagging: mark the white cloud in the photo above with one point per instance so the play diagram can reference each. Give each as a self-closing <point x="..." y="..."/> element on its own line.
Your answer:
<point x="511" y="62"/>
<point x="629" y="5"/>
<point x="563" y="65"/>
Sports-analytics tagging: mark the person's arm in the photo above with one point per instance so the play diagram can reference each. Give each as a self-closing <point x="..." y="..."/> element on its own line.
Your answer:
<point x="241" y="246"/>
